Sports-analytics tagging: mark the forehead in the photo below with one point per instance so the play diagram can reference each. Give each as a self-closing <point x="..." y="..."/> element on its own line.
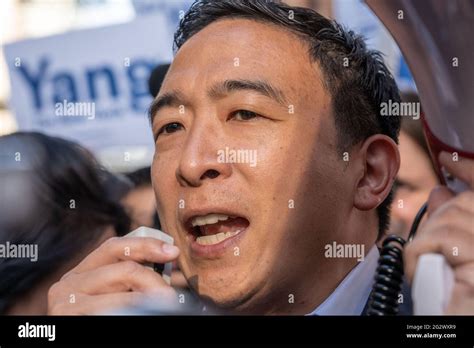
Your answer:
<point x="242" y="48"/>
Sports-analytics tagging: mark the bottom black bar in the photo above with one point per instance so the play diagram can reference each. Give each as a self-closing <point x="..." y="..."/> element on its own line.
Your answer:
<point x="222" y="330"/>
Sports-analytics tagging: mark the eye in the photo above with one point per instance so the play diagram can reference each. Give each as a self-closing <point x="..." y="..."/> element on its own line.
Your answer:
<point x="244" y="115"/>
<point x="401" y="184"/>
<point x="170" y="128"/>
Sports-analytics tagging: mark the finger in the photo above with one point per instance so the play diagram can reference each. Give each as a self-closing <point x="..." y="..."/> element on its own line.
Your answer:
<point x="86" y="305"/>
<point x="465" y="274"/>
<point x="458" y="212"/>
<point x="462" y="300"/>
<point x="139" y="249"/>
<point x="438" y="196"/>
<point x="462" y="168"/>
<point x="455" y="243"/>
<point x="465" y="200"/>
<point x="118" y="277"/>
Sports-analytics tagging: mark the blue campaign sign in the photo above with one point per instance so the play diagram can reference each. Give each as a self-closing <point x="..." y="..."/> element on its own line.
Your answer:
<point x="90" y="85"/>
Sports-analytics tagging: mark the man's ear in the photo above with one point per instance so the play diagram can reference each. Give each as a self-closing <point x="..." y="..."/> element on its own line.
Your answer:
<point x="380" y="162"/>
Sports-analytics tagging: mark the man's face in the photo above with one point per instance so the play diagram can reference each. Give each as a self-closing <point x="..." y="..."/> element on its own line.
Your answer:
<point x="283" y="203"/>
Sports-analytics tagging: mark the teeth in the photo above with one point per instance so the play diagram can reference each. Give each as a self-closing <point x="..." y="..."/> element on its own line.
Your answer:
<point x="208" y="219"/>
<point x="215" y="238"/>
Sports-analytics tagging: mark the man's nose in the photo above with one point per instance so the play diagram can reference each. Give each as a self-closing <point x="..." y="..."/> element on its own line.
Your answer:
<point x="199" y="159"/>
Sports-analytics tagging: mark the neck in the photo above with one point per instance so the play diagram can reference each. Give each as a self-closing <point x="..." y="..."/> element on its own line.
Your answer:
<point x="341" y="254"/>
<point x="303" y="294"/>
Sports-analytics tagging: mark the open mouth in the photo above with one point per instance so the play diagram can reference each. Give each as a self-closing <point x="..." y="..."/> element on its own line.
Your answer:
<point x="211" y="229"/>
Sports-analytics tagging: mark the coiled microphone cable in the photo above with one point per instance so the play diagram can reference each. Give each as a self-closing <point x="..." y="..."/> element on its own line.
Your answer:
<point x="383" y="299"/>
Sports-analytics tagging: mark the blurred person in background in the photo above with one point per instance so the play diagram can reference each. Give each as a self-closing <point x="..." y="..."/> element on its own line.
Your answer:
<point x="140" y="201"/>
<point x="56" y="196"/>
<point x="416" y="177"/>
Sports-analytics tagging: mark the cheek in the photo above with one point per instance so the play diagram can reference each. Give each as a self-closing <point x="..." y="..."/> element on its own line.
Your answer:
<point x="163" y="171"/>
<point x="268" y="144"/>
<point x="299" y="176"/>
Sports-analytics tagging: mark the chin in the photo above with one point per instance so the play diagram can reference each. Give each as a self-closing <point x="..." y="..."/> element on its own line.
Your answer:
<point x="227" y="290"/>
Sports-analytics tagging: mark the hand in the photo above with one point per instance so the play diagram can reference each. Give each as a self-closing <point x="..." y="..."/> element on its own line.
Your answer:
<point x="113" y="276"/>
<point x="178" y="280"/>
<point x="449" y="230"/>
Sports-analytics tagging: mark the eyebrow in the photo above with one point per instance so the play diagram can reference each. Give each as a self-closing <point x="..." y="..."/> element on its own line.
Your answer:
<point x="262" y="87"/>
<point x="219" y="90"/>
<point x="169" y="99"/>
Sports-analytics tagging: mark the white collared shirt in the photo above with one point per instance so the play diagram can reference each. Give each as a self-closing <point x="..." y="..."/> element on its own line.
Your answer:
<point x="351" y="295"/>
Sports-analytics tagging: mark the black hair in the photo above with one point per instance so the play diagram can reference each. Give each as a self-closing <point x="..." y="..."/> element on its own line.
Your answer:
<point x="52" y="195"/>
<point x="356" y="77"/>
